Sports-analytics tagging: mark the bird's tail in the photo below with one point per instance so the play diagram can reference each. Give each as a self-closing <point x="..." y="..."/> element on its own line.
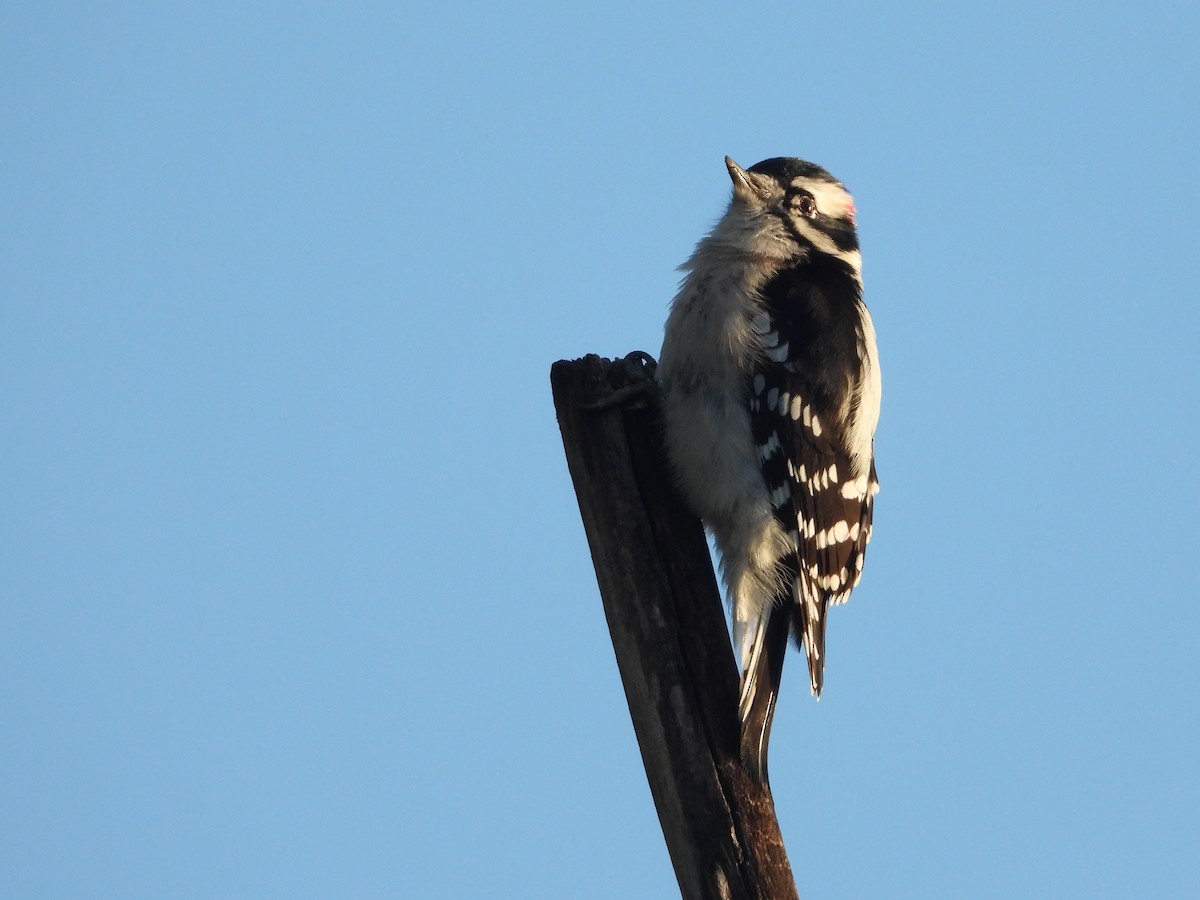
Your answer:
<point x="760" y="687"/>
<point x="812" y="631"/>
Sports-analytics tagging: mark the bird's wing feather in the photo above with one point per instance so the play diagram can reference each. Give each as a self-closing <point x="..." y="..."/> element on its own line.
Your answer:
<point x="821" y="505"/>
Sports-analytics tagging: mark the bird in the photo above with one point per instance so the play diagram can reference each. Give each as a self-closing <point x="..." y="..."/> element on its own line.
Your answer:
<point x="770" y="388"/>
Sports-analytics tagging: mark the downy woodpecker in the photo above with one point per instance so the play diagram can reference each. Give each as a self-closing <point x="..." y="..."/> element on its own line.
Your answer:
<point x="770" y="396"/>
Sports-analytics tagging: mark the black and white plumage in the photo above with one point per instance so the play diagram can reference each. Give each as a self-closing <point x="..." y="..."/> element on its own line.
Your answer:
<point x="770" y="396"/>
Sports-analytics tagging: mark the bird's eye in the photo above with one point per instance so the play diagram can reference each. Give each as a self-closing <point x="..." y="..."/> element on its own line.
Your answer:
<point x="807" y="206"/>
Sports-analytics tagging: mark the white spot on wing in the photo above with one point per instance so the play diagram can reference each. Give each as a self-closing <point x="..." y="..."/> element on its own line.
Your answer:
<point x="855" y="488"/>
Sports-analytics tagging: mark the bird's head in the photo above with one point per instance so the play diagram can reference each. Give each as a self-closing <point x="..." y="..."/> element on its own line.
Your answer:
<point x="788" y="209"/>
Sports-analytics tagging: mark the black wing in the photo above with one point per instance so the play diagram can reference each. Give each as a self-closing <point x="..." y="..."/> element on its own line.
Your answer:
<point x="800" y="392"/>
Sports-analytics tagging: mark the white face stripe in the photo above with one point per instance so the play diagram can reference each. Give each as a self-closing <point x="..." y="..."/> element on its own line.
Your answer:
<point x="832" y="199"/>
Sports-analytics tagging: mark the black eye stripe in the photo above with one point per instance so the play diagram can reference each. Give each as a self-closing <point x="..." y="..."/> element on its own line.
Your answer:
<point x="843" y="234"/>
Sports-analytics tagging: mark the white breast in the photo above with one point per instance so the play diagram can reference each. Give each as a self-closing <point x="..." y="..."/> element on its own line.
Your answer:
<point x="864" y="415"/>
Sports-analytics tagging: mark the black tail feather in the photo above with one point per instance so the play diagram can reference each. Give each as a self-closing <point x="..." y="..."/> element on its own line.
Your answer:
<point x="760" y="687"/>
<point x="815" y="654"/>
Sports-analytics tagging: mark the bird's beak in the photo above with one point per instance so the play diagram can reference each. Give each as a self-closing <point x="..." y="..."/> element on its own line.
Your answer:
<point x="743" y="182"/>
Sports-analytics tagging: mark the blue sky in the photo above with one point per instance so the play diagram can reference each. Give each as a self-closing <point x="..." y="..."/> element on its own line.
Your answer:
<point x="294" y="596"/>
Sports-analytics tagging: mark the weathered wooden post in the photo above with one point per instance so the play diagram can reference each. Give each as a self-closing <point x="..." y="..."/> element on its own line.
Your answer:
<point x="669" y="634"/>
